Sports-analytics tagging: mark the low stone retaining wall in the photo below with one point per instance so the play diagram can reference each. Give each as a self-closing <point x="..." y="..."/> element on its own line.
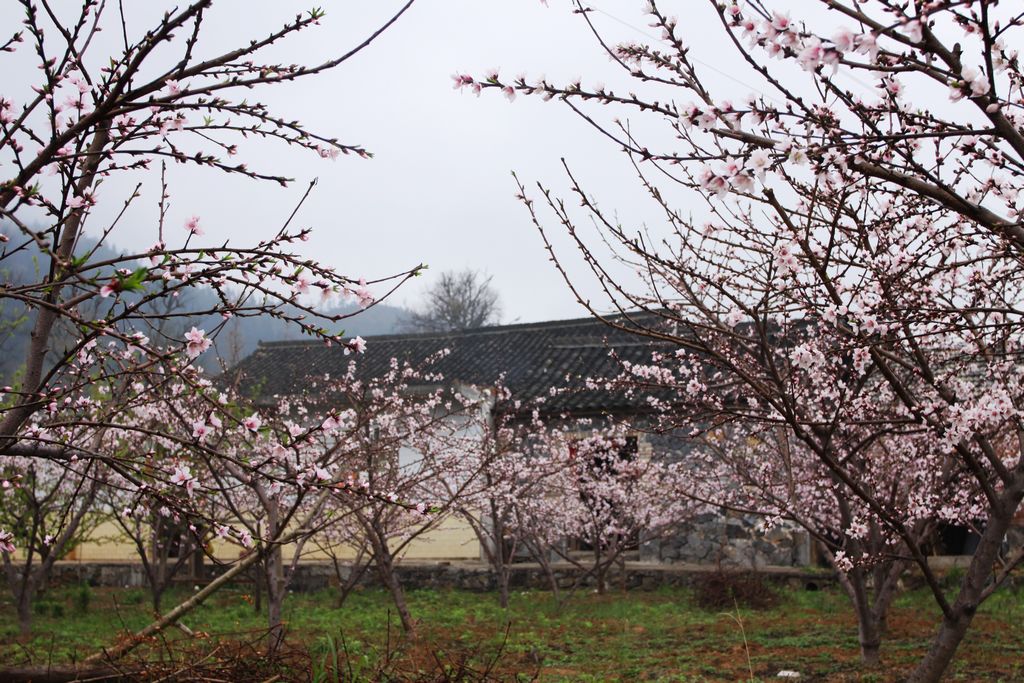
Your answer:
<point x="473" y="576"/>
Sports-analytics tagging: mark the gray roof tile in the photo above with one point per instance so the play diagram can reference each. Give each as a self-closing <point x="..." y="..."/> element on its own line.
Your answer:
<point x="535" y="360"/>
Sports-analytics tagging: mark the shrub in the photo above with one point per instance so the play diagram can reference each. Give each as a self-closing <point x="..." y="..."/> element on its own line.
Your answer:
<point x="82" y="598"/>
<point x="48" y="608"/>
<point x="42" y="607"/>
<point x="133" y="596"/>
<point x="953" y="578"/>
<point x="727" y="589"/>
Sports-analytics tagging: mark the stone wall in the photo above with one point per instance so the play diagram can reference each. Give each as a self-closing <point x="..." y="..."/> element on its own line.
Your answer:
<point x="314" y="576"/>
<point x="720" y="537"/>
<point x="730" y="540"/>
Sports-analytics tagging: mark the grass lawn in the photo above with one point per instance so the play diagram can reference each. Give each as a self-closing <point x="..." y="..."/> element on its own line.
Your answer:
<point x="639" y="636"/>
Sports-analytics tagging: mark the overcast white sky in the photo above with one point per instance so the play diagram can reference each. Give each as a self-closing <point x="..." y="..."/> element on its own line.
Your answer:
<point x="439" y="188"/>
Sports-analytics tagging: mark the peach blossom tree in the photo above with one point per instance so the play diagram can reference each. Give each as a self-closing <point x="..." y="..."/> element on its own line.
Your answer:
<point x="838" y="255"/>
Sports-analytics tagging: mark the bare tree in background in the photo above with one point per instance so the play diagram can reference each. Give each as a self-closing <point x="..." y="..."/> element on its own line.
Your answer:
<point x="457" y="301"/>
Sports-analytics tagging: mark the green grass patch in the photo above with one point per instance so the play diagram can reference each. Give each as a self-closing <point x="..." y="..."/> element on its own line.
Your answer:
<point x="640" y="636"/>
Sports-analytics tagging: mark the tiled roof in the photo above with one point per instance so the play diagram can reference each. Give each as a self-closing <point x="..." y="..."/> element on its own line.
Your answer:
<point x="535" y="360"/>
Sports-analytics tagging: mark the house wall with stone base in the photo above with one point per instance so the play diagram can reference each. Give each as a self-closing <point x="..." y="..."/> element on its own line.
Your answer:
<point x="720" y="537"/>
<point x="730" y="540"/>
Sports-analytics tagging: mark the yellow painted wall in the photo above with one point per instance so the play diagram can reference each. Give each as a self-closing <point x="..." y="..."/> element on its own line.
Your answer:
<point x="453" y="539"/>
<point x="106" y="543"/>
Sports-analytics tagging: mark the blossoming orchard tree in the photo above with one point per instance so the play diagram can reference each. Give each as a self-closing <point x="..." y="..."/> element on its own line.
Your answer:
<point x="607" y="498"/>
<point x="319" y="464"/>
<point x="45" y="510"/>
<point x="99" y="373"/>
<point x="168" y="545"/>
<point x="757" y="466"/>
<point x="366" y="456"/>
<point x="509" y="479"/>
<point x="841" y="252"/>
<point x="549" y="481"/>
<point x="515" y="509"/>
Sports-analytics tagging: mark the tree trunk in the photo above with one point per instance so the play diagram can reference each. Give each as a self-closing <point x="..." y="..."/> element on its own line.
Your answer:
<point x="886" y="585"/>
<point x="869" y="633"/>
<point x="126" y="645"/>
<point x="870" y="636"/>
<point x="274" y="564"/>
<point x="979" y="573"/>
<point x="24" y="607"/>
<point x="156" y="593"/>
<point x="68" y="674"/>
<point x="622" y="575"/>
<point x="257" y="589"/>
<point x="503" y="553"/>
<point x="47" y="317"/>
<point x="537" y="551"/>
<point x="397" y="594"/>
<point x="600" y="571"/>
<point x="346" y="587"/>
<point x="18" y="581"/>
<point x="386" y="571"/>
<point x="869" y="628"/>
<point x="503" y="580"/>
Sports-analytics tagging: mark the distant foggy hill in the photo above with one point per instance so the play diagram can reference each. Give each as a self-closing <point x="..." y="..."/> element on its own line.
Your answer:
<point x="237" y="339"/>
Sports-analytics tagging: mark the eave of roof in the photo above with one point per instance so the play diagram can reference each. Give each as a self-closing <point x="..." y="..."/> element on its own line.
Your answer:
<point x="548" y="359"/>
